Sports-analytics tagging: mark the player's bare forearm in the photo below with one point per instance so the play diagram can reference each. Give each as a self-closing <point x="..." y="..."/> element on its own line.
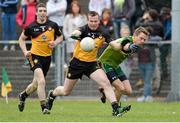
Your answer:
<point x="76" y="35"/>
<point x="58" y="40"/>
<point x="115" y="44"/>
<point x="53" y="44"/>
<point x="22" y="43"/>
<point x="126" y="47"/>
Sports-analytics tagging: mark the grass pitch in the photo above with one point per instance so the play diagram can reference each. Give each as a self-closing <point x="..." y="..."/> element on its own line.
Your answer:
<point x="89" y="111"/>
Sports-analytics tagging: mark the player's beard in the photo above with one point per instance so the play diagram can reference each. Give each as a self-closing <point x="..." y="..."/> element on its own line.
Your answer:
<point x="93" y="27"/>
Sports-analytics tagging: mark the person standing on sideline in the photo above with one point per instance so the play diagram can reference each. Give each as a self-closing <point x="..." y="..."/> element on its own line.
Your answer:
<point x="25" y="18"/>
<point x="99" y="5"/>
<point x="56" y="10"/>
<point x="85" y="63"/>
<point x="8" y="20"/>
<point x="117" y="51"/>
<point x="45" y="35"/>
<point x="122" y="11"/>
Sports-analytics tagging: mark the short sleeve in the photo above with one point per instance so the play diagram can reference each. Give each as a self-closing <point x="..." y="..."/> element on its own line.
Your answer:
<point x="27" y="31"/>
<point x="57" y="30"/>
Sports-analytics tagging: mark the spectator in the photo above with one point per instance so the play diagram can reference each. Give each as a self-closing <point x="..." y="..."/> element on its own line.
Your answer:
<point x="8" y="16"/>
<point x="146" y="56"/>
<point x="150" y="19"/>
<point x="68" y="6"/>
<point x="26" y="17"/>
<point x="122" y="13"/>
<point x="141" y="7"/>
<point x="146" y="61"/>
<point x="107" y="24"/>
<point x="165" y="48"/>
<point x="99" y="5"/>
<point x="75" y="19"/>
<point x="56" y="10"/>
<point x="106" y="21"/>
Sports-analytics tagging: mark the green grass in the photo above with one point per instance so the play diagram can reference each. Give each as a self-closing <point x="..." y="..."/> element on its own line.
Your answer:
<point x="89" y="111"/>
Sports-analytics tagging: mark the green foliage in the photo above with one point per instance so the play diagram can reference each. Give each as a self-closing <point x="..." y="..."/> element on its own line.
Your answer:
<point x="89" y="111"/>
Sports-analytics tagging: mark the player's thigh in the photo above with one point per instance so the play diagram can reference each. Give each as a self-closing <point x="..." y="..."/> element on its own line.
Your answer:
<point x="100" y="77"/>
<point x="38" y="75"/>
<point x="69" y="85"/>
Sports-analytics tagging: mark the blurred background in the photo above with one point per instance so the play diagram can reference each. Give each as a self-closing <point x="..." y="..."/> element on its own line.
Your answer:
<point x="119" y="17"/>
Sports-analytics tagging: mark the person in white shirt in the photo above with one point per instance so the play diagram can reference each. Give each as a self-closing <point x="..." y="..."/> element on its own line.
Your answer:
<point x="99" y="5"/>
<point x="56" y="10"/>
<point x="75" y="19"/>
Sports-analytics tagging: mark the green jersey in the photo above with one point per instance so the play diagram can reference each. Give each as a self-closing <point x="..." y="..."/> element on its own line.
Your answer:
<point x="114" y="57"/>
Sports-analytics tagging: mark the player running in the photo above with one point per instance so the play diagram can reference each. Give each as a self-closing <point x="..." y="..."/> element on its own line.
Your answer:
<point x="85" y="63"/>
<point x="45" y="35"/>
<point x="113" y="56"/>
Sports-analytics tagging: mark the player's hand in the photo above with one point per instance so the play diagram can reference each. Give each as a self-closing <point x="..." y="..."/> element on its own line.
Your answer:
<point x="133" y="47"/>
<point x="27" y="54"/>
<point x="52" y="44"/>
<point x="76" y="35"/>
<point x="76" y="32"/>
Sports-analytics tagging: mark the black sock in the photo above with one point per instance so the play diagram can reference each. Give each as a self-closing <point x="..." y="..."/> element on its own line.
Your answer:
<point x="43" y="106"/>
<point x="51" y="95"/>
<point x="115" y="106"/>
<point x="24" y="95"/>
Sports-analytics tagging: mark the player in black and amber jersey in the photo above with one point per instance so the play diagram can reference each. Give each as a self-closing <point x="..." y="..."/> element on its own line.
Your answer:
<point x="45" y="35"/>
<point x="84" y="63"/>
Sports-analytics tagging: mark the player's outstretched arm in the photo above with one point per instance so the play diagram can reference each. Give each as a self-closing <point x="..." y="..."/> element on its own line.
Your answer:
<point x="131" y="47"/>
<point x="115" y="44"/>
<point x="76" y="34"/>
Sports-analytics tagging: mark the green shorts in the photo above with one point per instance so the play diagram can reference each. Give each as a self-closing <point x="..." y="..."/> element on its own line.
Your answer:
<point x="113" y="73"/>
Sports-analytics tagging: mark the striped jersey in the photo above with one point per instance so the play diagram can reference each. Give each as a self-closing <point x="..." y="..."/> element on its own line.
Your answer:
<point x="41" y="35"/>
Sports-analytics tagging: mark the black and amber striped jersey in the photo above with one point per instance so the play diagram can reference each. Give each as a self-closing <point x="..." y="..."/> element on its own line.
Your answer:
<point x="100" y="36"/>
<point x="41" y="35"/>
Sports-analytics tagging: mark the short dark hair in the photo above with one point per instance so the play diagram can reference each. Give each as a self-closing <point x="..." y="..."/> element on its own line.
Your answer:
<point x="154" y="14"/>
<point x="141" y="29"/>
<point x="93" y="13"/>
<point x="165" y="11"/>
<point x="40" y="5"/>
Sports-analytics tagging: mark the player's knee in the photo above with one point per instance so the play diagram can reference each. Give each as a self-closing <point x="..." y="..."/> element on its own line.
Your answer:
<point x="106" y="84"/>
<point x="129" y="92"/>
<point x="41" y="82"/>
<point x="120" y="88"/>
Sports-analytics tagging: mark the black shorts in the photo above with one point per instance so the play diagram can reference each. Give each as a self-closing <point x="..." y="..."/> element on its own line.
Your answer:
<point x="40" y="62"/>
<point x="77" y="68"/>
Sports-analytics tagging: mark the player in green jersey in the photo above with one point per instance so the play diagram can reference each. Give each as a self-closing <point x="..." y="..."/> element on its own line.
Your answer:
<point x="117" y="51"/>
